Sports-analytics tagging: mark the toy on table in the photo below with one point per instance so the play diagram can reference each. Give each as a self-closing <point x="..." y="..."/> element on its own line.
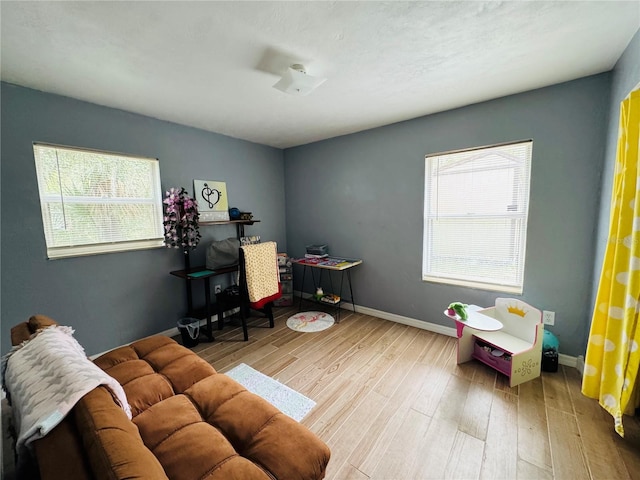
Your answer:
<point x="459" y="309"/>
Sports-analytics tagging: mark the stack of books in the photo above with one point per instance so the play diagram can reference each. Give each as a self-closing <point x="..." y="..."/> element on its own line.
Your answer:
<point x="324" y="260"/>
<point x="330" y="298"/>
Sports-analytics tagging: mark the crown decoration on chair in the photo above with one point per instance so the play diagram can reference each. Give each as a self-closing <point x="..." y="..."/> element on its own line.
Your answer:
<point x="516" y="310"/>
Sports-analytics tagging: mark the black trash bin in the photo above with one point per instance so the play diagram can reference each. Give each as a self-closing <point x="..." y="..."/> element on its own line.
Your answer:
<point x="190" y="331"/>
<point x="550" y="361"/>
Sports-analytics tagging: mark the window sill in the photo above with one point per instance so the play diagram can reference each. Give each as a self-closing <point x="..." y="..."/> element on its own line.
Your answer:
<point x="85" y="250"/>
<point x="477" y="285"/>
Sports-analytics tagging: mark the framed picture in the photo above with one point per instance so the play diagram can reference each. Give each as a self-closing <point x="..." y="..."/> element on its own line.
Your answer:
<point x="213" y="204"/>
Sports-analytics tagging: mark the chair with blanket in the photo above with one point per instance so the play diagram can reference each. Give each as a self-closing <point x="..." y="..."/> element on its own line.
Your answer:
<point x="259" y="281"/>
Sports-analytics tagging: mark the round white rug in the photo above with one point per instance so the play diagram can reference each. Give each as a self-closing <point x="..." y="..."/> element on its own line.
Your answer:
<point x="310" y="321"/>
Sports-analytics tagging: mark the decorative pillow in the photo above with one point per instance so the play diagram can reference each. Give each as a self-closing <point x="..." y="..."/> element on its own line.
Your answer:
<point x="23" y="331"/>
<point x="38" y="322"/>
<point x="20" y="333"/>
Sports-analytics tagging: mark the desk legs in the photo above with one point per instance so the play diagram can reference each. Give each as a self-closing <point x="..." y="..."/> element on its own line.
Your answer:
<point x="189" y="297"/>
<point x="465" y="342"/>
<point x="207" y="301"/>
<point x="347" y="271"/>
<point x="353" y="302"/>
<point x="304" y="271"/>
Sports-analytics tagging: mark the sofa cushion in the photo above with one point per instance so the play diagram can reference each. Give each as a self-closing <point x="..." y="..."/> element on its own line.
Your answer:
<point x="147" y="390"/>
<point x="238" y="413"/>
<point x="179" y="365"/>
<point x="187" y="447"/>
<point x="153" y="369"/>
<point x="111" y="441"/>
<point x="258" y="431"/>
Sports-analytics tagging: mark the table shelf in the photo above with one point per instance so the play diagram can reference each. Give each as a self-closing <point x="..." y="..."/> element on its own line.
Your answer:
<point x="501" y="363"/>
<point x="187" y="274"/>
<point x="343" y="268"/>
<point x="228" y="222"/>
<point x="504" y="341"/>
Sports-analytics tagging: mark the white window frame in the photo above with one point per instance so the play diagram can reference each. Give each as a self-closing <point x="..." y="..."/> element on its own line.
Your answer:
<point x="517" y="214"/>
<point x="74" y="248"/>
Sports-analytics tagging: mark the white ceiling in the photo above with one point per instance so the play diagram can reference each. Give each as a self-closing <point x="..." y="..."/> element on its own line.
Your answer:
<point x="212" y="64"/>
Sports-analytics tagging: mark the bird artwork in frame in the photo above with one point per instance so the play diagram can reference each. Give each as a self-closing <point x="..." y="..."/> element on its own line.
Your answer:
<point x="213" y="203"/>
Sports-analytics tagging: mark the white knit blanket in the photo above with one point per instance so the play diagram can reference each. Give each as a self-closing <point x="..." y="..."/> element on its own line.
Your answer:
<point x="45" y="377"/>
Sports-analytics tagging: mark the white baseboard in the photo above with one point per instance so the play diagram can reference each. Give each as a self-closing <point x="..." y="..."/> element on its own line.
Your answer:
<point x="412" y="322"/>
<point x="172" y="332"/>
<point x="567" y="360"/>
<point x="563" y="359"/>
<point x="580" y="364"/>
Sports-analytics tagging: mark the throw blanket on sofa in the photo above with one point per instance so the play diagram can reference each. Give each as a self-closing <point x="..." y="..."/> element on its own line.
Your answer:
<point x="45" y="377"/>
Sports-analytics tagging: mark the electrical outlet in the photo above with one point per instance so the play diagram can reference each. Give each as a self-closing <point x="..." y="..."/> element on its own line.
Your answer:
<point x="548" y="318"/>
<point x="217" y="289"/>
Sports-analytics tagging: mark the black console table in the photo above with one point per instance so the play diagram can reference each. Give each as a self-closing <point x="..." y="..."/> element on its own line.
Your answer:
<point x="190" y="274"/>
<point x="202" y="273"/>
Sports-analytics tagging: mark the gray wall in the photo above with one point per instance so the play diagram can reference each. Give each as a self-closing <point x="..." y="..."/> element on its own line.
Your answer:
<point x="116" y="298"/>
<point x="362" y="194"/>
<point x="625" y="76"/>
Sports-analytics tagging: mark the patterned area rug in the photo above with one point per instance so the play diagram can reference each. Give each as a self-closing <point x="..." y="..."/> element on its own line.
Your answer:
<point x="285" y="399"/>
<point x="310" y="321"/>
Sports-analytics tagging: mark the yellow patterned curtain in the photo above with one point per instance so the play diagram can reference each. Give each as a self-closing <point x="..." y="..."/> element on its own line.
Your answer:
<point x="611" y="362"/>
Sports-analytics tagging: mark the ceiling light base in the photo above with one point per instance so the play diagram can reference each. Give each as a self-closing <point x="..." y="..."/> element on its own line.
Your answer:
<point x="297" y="82"/>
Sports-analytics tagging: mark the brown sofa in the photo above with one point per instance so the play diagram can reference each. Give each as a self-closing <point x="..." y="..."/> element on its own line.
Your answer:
<point x="189" y="422"/>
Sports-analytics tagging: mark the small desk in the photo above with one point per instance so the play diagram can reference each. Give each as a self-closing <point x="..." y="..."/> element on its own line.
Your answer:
<point x="475" y="320"/>
<point x="202" y="273"/>
<point x="336" y="264"/>
<point x="509" y="342"/>
<point x="477" y="323"/>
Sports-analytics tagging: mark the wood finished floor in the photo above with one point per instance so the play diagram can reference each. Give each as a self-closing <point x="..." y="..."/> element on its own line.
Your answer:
<point x="393" y="404"/>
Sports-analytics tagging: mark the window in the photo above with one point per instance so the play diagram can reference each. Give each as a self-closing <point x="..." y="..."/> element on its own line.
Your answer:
<point x="476" y="204"/>
<point x="97" y="202"/>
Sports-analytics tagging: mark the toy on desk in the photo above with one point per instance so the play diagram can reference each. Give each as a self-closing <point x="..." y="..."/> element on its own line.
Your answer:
<point x="319" y="293"/>
<point x="457" y="308"/>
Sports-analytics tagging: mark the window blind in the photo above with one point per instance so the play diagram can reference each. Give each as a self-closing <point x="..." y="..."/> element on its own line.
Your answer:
<point x="97" y="202"/>
<point x="475" y="216"/>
